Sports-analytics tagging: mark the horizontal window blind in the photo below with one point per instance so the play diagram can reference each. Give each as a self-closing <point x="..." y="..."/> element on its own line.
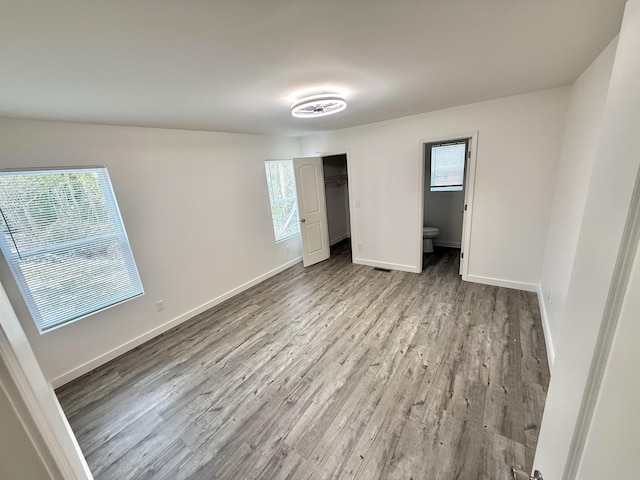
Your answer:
<point x="281" y="183"/>
<point x="447" y="166"/>
<point x="64" y="239"/>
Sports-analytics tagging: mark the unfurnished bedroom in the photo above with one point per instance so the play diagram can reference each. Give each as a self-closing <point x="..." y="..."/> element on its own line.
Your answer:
<point x="319" y="240"/>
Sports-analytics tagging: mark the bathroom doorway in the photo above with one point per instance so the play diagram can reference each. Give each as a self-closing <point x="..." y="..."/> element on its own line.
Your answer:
<point x="448" y="166"/>
<point x="336" y="184"/>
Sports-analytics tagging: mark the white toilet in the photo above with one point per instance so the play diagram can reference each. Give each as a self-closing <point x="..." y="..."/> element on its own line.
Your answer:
<point x="428" y="234"/>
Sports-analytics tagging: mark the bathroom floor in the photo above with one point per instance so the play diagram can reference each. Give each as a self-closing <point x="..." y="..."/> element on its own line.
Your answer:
<point x="444" y="256"/>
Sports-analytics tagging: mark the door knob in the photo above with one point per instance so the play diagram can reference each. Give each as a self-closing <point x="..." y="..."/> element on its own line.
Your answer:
<point x="302" y="220"/>
<point x="520" y="475"/>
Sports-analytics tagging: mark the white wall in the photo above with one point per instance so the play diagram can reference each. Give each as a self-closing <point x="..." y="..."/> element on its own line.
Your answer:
<point x="613" y="441"/>
<point x="609" y="194"/>
<point x="518" y="149"/>
<point x="336" y="198"/>
<point x="584" y="114"/>
<point x="196" y="210"/>
<point x="442" y="210"/>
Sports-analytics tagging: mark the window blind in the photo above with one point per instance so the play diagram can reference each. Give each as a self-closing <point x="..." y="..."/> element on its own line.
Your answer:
<point x="447" y="166"/>
<point x="281" y="183"/>
<point x="66" y="245"/>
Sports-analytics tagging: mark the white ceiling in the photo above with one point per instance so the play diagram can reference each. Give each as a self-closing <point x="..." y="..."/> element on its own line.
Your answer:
<point x="232" y="65"/>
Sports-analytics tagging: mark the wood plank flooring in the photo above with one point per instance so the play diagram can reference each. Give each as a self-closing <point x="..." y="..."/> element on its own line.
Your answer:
<point x="334" y="371"/>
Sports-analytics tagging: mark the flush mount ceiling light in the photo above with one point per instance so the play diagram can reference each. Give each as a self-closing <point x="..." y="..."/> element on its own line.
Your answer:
<point x="318" y="105"/>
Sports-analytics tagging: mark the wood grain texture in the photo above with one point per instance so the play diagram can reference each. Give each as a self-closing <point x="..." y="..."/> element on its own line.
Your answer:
<point x="334" y="371"/>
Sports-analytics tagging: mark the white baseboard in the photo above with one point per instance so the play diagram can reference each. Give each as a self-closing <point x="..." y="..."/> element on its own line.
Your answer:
<point x="389" y="266"/>
<point x="445" y="243"/>
<point x="548" y="340"/>
<point x="498" y="282"/>
<point x="339" y="239"/>
<point x="131" y="344"/>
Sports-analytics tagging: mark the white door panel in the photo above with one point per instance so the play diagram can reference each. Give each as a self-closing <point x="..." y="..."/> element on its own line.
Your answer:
<point x="308" y="182"/>
<point x="312" y="209"/>
<point x="465" y="219"/>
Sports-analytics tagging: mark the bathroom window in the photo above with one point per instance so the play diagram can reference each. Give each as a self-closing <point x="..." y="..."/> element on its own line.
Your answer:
<point x="447" y="166"/>
<point x="281" y="182"/>
<point x="63" y="238"/>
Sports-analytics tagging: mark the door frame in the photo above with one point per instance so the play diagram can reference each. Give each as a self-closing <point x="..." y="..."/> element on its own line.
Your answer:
<point x="469" y="193"/>
<point x="40" y="410"/>
<point x="347" y="154"/>
<point x="608" y="327"/>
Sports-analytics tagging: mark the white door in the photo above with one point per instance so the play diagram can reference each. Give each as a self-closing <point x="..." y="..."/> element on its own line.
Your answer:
<point x="465" y="220"/>
<point x="469" y="189"/>
<point x="312" y="208"/>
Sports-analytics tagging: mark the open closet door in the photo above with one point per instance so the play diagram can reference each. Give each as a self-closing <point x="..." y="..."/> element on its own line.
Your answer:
<point x="312" y="208"/>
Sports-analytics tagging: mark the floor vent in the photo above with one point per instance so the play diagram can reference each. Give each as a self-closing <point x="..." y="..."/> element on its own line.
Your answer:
<point x="381" y="269"/>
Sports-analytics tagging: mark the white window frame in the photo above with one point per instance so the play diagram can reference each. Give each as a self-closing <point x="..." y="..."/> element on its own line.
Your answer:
<point x="14" y="255"/>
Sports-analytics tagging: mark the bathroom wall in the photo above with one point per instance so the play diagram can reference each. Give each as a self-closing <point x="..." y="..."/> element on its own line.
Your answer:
<point x="337" y="199"/>
<point x="442" y="210"/>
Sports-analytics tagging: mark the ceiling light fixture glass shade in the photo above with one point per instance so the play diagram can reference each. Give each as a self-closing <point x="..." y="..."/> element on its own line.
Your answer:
<point x="318" y="105"/>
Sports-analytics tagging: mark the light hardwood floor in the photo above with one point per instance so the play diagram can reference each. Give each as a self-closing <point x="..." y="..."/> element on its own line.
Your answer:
<point x="334" y="371"/>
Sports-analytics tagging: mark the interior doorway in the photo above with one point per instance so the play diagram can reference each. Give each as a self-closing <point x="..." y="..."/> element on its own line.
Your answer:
<point x="336" y="185"/>
<point x="448" y="166"/>
<point x="323" y="206"/>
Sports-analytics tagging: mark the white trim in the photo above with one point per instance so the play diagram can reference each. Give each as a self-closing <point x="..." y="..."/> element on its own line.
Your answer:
<point x="548" y="339"/>
<point x="339" y="239"/>
<point x="498" y="282"/>
<point x="469" y="192"/>
<point x="332" y="153"/>
<point x="387" y="265"/>
<point x="446" y="243"/>
<point x="21" y="414"/>
<point x="131" y="344"/>
<point x="38" y="397"/>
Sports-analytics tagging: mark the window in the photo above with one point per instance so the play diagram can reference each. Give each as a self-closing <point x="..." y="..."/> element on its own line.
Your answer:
<point x="447" y="166"/>
<point x="282" y="196"/>
<point x="65" y="243"/>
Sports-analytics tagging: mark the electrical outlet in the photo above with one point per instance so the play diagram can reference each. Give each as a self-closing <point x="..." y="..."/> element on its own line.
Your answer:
<point x="549" y="295"/>
<point x="288" y="249"/>
<point x="360" y="247"/>
<point x="357" y="203"/>
<point x="160" y="305"/>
